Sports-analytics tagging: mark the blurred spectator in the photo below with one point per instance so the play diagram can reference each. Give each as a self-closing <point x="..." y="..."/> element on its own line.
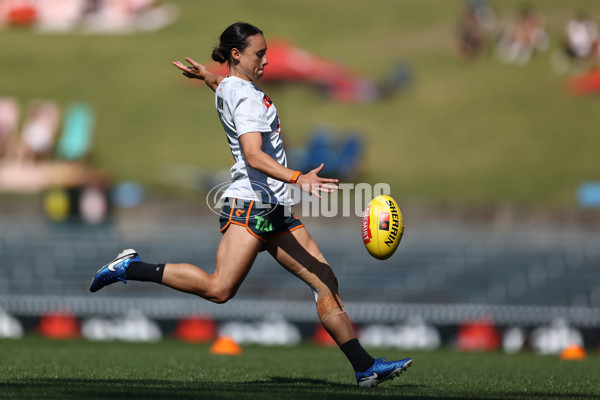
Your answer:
<point x="59" y="15"/>
<point x="581" y="36"/>
<point x="36" y="161"/>
<point x="520" y="40"/>
<point x="98" y="16"/>
<point x="580" y="45"/>
<point x="9" y="118"/>
<point x="470" y="39"/>
<point x="581" y="49"/>
<point x="125" y="16"/>
<point x="39" y="131"/>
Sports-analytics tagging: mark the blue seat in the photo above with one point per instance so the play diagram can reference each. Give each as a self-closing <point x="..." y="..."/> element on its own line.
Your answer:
<point x="321" y="149"/>
<point x="349" y="159"/>
<point x="588" y="195"/>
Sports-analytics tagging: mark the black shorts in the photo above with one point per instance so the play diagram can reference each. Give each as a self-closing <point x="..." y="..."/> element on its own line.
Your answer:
<point x="263" y="221"/>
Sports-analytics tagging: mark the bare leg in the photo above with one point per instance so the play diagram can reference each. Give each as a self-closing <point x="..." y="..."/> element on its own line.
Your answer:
<point x="297" y="252"/>
<point x="235" y="256"/>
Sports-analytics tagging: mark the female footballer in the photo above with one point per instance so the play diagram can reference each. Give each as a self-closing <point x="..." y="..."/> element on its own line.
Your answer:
<point x="256" y="213"/>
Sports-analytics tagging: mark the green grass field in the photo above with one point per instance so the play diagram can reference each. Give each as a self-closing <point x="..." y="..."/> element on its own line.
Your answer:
<point x="465" y="133"/>
<point x="33" y="368"/>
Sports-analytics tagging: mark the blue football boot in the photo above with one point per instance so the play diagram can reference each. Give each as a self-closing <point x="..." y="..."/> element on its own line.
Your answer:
<point x="114" y="270"/>
<point x="381" y="371"/>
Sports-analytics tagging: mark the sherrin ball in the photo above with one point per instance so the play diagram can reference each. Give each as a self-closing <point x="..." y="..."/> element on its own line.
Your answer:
<point x="382" y="227"/>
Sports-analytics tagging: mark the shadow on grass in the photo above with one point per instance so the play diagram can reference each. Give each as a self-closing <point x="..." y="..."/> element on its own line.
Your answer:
<point x="151" y="389"/>
<point x="272" y="388"/>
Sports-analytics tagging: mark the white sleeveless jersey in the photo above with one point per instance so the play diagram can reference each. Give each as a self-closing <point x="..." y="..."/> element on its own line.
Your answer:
<point x="244" y="108"/>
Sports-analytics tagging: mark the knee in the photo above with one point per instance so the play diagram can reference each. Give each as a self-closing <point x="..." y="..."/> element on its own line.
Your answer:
<point x="327" y="278"/>
<point x="330" y="279"/>
<point x="220" y="295"/>
<point x="320" y="277"/>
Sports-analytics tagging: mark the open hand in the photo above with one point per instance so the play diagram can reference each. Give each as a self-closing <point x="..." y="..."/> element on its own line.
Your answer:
<point x="195" y="71"/>
<point x="316" y="185"/>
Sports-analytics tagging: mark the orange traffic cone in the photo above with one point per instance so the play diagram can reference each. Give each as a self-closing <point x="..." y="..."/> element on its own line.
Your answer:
<point x="59" y="325"/>
<point x="226" y="346"/>
<point x="573" y="352"/>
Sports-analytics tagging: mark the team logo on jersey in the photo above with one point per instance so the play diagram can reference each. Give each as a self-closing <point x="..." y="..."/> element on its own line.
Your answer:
<point x="267" y="101"/>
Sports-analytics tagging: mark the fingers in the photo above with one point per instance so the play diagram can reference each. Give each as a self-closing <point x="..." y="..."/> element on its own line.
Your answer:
<point x="318" y="169"/>
<point x="329" y="188"/>
<point x="187" y="71"/>
<point x="317" y="189"/>
<point x="195" y="67"/>
<point x="195" y="71"/>
<point x="322" y="180"/>
<point x="325" y="189"/>
<point x="179" y="65"/>
<point x="322" y="183"/>
<point x="328" y="180"/>
<point x="194" y="63"/>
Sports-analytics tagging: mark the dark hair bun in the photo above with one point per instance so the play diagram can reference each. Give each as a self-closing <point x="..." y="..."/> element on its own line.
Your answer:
<point x="219" y="55"/>
<point x="234" y="37"/>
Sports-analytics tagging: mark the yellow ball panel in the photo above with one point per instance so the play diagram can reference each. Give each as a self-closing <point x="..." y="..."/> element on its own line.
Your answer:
<point x="382" y="227"/>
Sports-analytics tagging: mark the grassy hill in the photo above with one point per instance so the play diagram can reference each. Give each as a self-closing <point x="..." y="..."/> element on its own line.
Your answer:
<point x="466" y="132"/>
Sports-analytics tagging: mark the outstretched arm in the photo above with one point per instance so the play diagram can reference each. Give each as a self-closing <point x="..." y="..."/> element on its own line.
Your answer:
<point x="199" y="71"/>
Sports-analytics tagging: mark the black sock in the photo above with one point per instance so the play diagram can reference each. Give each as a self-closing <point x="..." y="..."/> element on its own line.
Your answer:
<point x="358" y="357"/>
<point x="141" y="271"/>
